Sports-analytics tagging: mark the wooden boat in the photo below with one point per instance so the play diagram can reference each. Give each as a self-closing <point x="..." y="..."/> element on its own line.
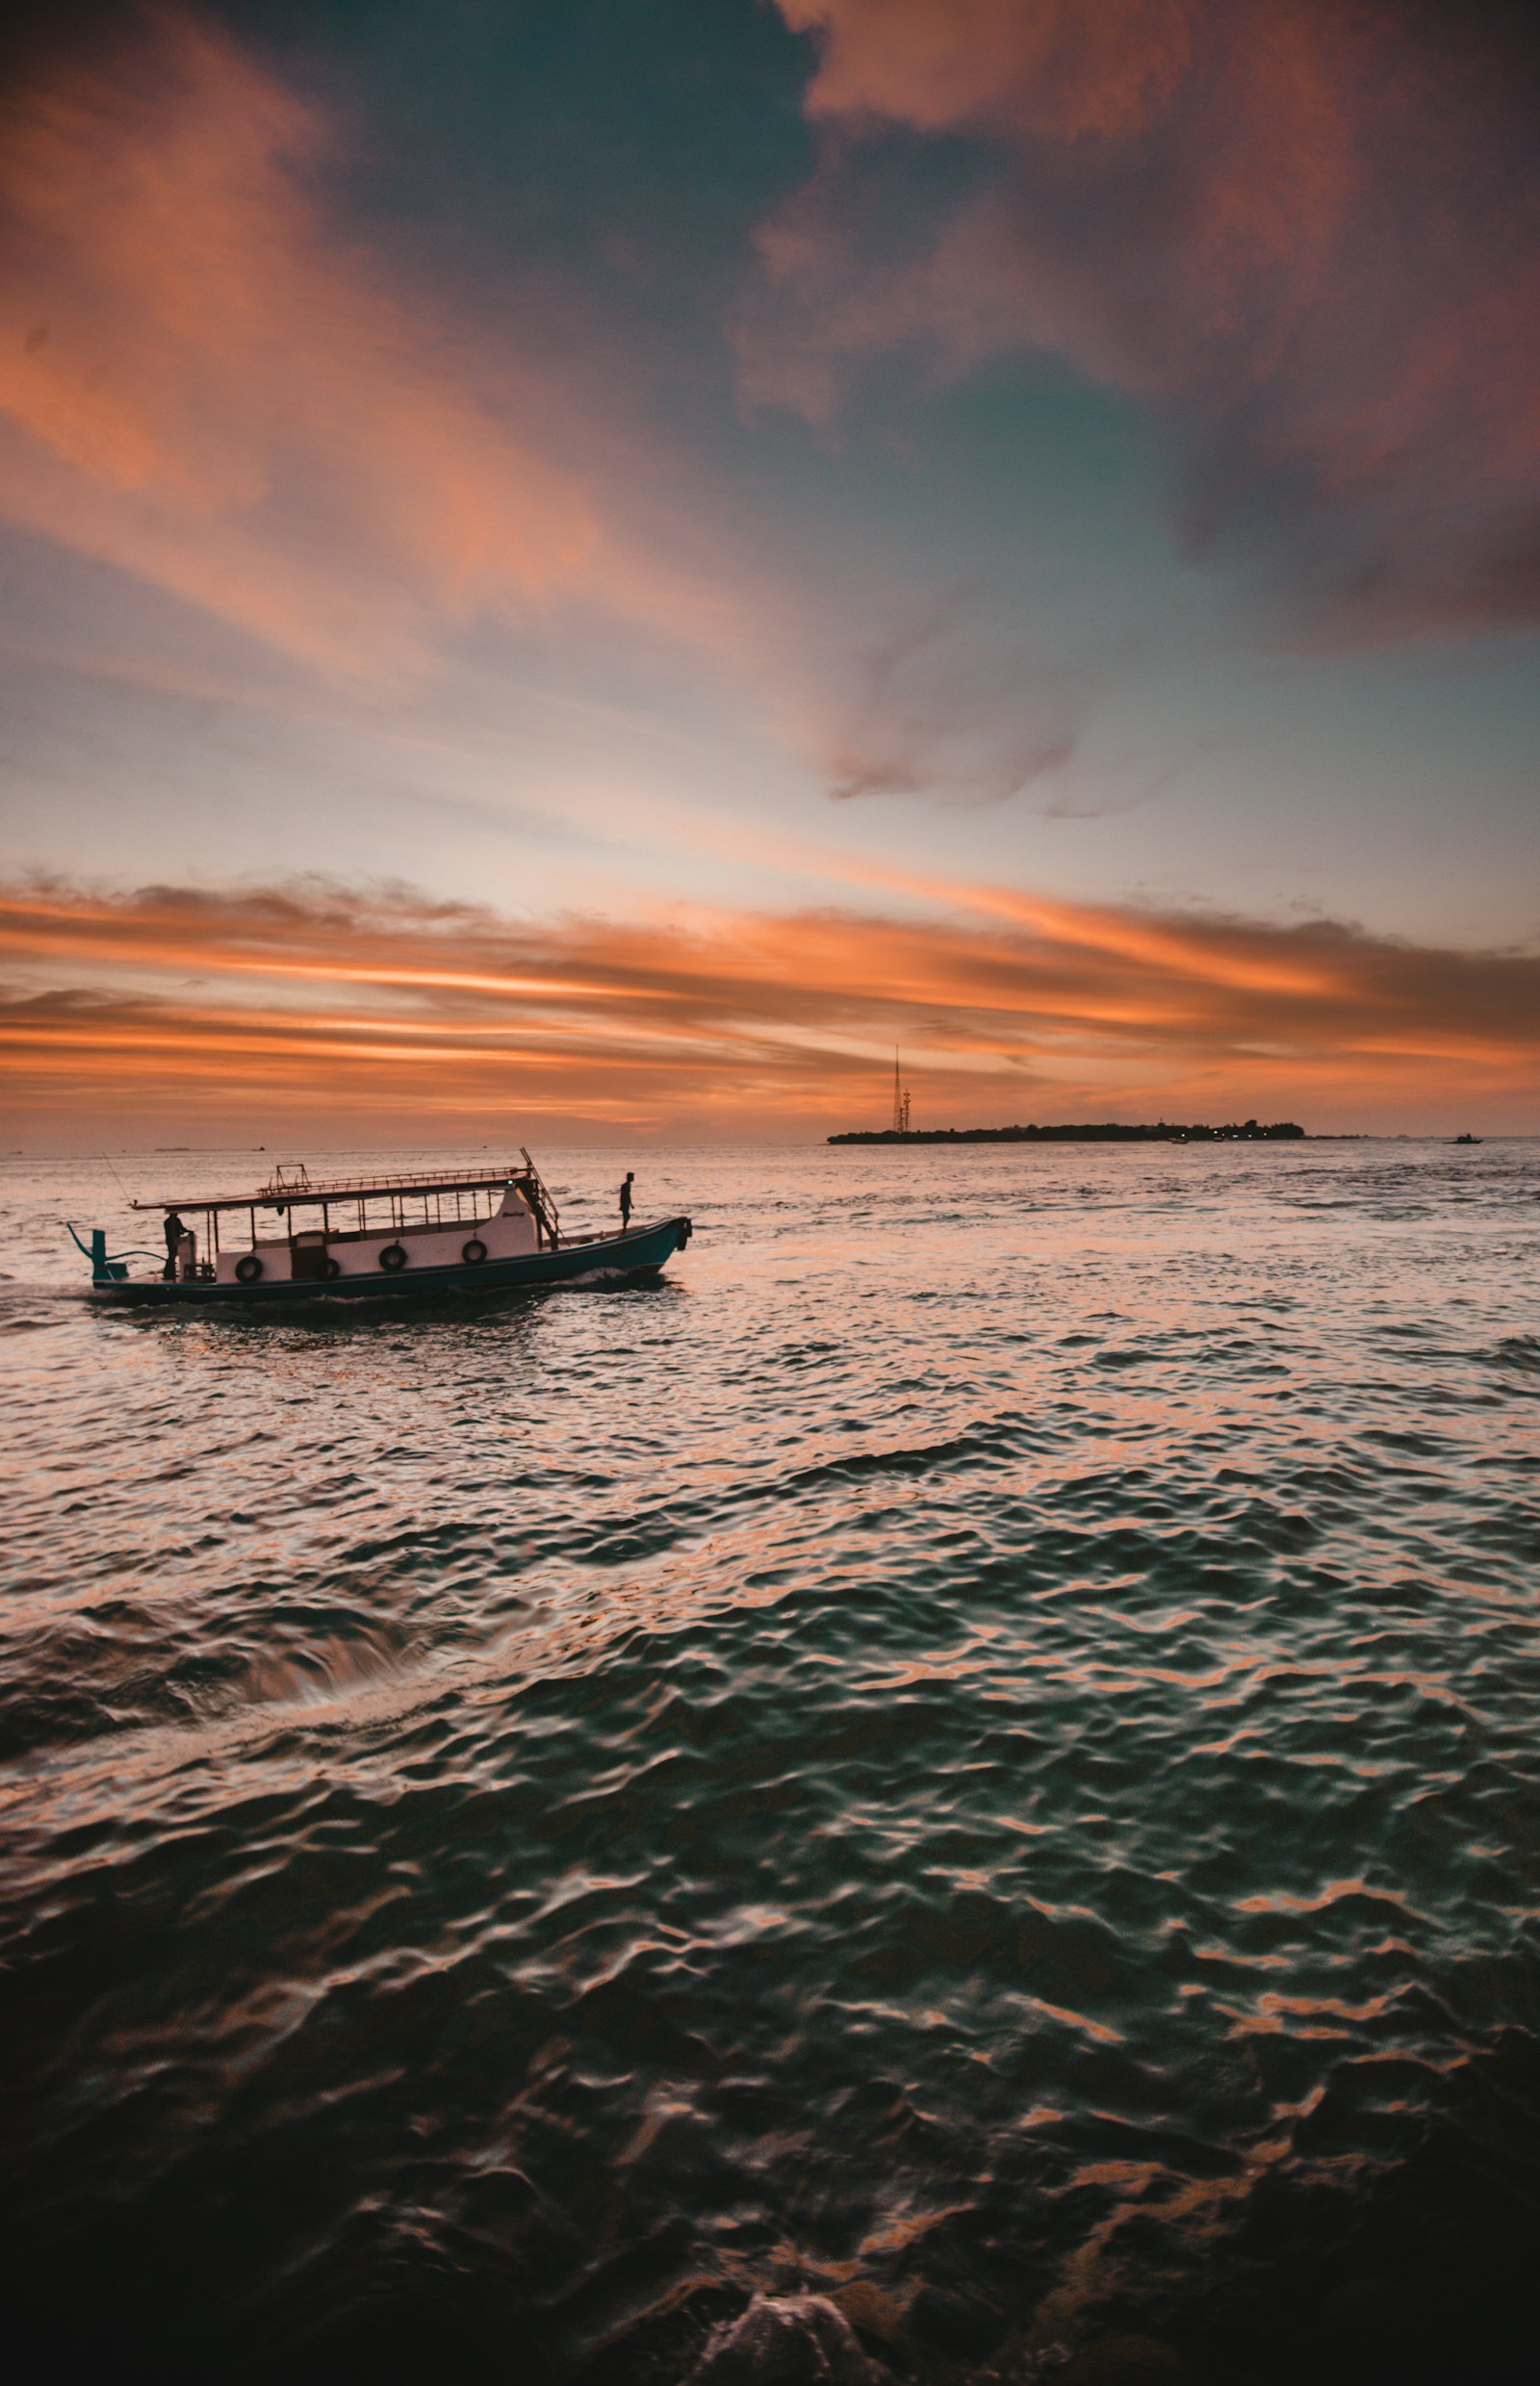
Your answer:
<point x="362" y="1238"/>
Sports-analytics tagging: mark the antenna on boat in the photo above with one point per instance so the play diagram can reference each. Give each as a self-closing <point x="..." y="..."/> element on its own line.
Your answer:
<point x="122" y="1187"/>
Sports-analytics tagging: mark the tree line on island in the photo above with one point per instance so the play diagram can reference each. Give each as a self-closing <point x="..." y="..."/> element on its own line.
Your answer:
<point x="1247" y="1131"/>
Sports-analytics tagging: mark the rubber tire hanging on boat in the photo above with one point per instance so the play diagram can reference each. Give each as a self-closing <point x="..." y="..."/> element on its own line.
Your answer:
<point x="473" y="1252"/>
<point x="247" y="1269"/>
<point x="334" y="1268"/>
<point x="392" y="1258"/>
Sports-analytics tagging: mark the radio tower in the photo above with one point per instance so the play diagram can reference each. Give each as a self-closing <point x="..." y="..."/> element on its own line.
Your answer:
<point x="900" y="1100"/>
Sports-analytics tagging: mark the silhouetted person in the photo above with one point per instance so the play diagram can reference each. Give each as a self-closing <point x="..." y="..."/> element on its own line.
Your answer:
<point x="174" y="1231"/>
<point x="626" y="1200"/>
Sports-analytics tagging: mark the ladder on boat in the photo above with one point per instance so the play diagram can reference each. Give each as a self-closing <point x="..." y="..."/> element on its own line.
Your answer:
<point x="547" y="1215"/>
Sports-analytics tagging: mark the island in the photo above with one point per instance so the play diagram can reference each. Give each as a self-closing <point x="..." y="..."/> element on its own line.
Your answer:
<point x="1282" y="1131"/>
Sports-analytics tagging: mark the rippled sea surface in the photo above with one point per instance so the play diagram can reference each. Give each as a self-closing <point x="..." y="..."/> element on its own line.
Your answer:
<point x="974" y="1750"/>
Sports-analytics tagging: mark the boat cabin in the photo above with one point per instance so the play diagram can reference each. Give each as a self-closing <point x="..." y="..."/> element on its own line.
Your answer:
<point x="297" y="1231"/>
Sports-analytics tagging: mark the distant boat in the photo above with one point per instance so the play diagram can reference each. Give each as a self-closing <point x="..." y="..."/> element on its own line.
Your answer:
<point x="442" y="1231"/>
<point x="1467" y="1138"/>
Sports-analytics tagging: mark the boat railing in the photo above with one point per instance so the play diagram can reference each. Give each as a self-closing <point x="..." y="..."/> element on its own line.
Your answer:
<point x="292" y="1189"/>
<point x="286" y="1186"/>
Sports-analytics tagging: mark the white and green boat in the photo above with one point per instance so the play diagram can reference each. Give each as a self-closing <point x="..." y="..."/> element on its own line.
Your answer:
<point x="365" y="1238"/>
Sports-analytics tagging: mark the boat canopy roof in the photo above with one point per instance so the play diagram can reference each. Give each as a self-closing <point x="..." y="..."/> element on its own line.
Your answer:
<point x="293" y="1189"/>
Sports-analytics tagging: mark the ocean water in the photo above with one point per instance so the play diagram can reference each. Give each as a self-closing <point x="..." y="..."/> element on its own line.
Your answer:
<point x="972" y="1753"/>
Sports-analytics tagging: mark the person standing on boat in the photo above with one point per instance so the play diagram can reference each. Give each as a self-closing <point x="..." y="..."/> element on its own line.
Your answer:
<point x="174" y="1231"/>
<point x="626" y="1201"/>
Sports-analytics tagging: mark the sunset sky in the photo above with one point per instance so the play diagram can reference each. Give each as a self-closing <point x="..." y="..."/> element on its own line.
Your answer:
<point x="587" y="568"/>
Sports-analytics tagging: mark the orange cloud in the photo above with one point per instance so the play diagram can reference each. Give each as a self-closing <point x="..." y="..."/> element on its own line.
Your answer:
<point x="312" y="1001"/>
<point x="1068" y="68"/>
<point x="1309" y="236"/>
<point x="204" y="384"/>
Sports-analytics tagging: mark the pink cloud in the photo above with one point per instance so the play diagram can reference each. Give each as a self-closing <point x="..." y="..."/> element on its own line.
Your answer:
<point x="203" y="383"/>
<point x="1307" y="235"/>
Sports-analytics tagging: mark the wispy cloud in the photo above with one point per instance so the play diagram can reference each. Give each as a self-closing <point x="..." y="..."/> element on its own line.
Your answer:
<point x="939" y="706"/>
<point x="1306" y="235"/>
<point x="310" y="1002"/>
<point x="208" y="383"/>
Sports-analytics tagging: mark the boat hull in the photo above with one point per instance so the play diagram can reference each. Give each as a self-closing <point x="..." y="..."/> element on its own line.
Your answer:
<point x="642" y="1251"/>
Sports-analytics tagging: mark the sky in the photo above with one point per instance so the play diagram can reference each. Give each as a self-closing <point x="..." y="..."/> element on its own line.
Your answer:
<point x="592" y="568"/>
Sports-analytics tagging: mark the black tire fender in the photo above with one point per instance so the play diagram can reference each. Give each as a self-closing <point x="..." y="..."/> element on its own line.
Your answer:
<point x="392" y="1258"/>
<point x="334" y="1266"/>
<point x="473" y="1252"/>
<point x="248" y="1268"/>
